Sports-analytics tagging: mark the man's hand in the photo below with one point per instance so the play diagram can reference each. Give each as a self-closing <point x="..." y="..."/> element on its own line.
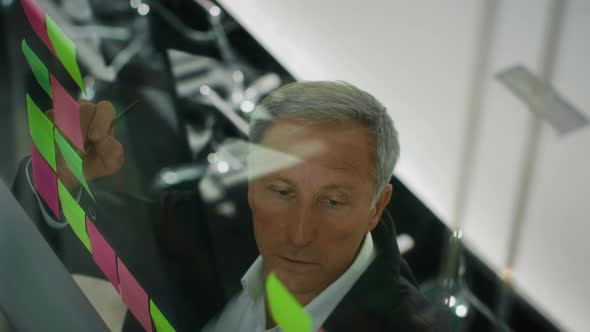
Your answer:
<point x="104" y="154"/>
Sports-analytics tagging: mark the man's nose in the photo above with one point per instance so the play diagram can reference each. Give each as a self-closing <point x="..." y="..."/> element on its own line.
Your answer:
<point x="303" y="228"/>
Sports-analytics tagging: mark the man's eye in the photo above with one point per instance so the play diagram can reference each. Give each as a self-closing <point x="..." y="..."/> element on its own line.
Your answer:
<point x="282" y="193"/>
<point x="332" y="203"/>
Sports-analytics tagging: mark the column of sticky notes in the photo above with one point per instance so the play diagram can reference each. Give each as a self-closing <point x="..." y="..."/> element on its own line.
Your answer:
<point x="64" y="131"/>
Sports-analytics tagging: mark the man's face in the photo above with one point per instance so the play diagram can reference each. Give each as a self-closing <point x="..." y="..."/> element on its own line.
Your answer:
<point x="311" y="217"/>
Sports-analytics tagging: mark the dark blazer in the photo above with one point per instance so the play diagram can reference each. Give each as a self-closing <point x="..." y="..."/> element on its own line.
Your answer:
<point x="385" y="297"/>
<point x="202" y="259"/>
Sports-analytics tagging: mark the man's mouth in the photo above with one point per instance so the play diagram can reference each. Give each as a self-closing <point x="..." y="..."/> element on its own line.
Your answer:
<point x="296" y="261"/>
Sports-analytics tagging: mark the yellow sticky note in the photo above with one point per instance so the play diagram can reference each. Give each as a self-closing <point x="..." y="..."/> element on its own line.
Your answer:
<point x="284" y="308"/>
<point x="65" y="49"/>
<point x="161" y="323"/>
<point x="72" y="159"/>
<point x="38" y="68"/>
<point x="41" y="129"/>
<point x="74" y="214"/>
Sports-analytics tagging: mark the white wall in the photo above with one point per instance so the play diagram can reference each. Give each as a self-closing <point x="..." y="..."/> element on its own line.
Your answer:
<point x="417" y="57"/>
<point x="554" y="267"/>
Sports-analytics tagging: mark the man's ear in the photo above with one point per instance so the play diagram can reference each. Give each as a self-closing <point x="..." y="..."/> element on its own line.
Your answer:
<point x="380" y="205"/>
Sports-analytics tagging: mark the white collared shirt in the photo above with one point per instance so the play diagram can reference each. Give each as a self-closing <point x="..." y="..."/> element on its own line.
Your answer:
<point x="245" y="311"/>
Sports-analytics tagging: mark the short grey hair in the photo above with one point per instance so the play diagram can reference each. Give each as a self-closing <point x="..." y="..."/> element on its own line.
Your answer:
<point x="328" y="103"/>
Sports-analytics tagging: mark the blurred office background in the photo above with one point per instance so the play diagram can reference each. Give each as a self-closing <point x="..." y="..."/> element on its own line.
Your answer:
<point x="490" y="99"/>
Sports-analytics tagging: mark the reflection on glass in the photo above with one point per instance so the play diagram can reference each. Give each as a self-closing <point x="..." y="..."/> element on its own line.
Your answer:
<point x="143" y="9"/>
<point x="134" y="3"/>
<point x="457" y="308"/>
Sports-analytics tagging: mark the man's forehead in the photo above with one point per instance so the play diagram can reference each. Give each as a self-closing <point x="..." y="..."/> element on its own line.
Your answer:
<point x="284" y="132"/>
<point x="291" y="142"/>
<point x="336" y="184"/>
<point x="264" y="160"/>
<point x="291" y="135"/>
<point x="290" y="127"/>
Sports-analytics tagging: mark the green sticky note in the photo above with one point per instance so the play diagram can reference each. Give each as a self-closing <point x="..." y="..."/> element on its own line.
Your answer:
<point x="66" y="51"/>
<point x="284" y="308"/>
<point x="74" y="214"/>
<point x="161" y="323"/>
<point x="41" y="129"/>
<point x="39" y="69"/>
<point x="72" y="159"/>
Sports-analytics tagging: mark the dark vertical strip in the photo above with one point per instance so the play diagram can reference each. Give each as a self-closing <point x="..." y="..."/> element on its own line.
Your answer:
<point x="7" y="134"/>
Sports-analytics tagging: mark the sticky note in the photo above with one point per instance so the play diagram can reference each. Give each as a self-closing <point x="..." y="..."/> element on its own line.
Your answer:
<point x="41" y="129"/>
<point x="45" y="181"/>
<point x="66" y="114"/>
<point x="73" y="160"/>
<point x="134" y="296"/>
<point x="65" y="51"/>
<point x="103" y="254"/>
<point x="39" y="69"/>
<point x="74" y="214"/>
<point x="160" y="322"/>
<point x="284" y="308"/>
<point x="36" y="18"/>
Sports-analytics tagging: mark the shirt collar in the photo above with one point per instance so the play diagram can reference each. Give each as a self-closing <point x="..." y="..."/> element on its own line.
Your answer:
<point x="253" y="280"/>
<point x="323" y="304"/>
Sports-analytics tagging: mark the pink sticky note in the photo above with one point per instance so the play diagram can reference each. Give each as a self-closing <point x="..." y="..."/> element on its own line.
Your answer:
<point x="66" y="113"/>
<point x="103" y="254"/>
<point x="36" y="17"/>
<point x="45" y="181"/>
<point x="134" y="296"/>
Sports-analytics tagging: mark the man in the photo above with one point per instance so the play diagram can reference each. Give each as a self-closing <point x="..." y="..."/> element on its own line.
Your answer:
<point x="317" y="223"/>
<point x="317" y="220"/>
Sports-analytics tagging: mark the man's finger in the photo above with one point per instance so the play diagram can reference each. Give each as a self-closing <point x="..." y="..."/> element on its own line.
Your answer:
<point x="87" y="111"/>
<point x="106" y="158"/>
<point x="101" y="123"/>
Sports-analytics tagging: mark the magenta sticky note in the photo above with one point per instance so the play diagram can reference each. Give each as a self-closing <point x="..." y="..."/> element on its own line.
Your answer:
<point x="66" y="114"/>
<point x="36" y="18"/>
<point x="103" y="254"/>
<point x="45" y="181"/>
<point x="134" y="296"/>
